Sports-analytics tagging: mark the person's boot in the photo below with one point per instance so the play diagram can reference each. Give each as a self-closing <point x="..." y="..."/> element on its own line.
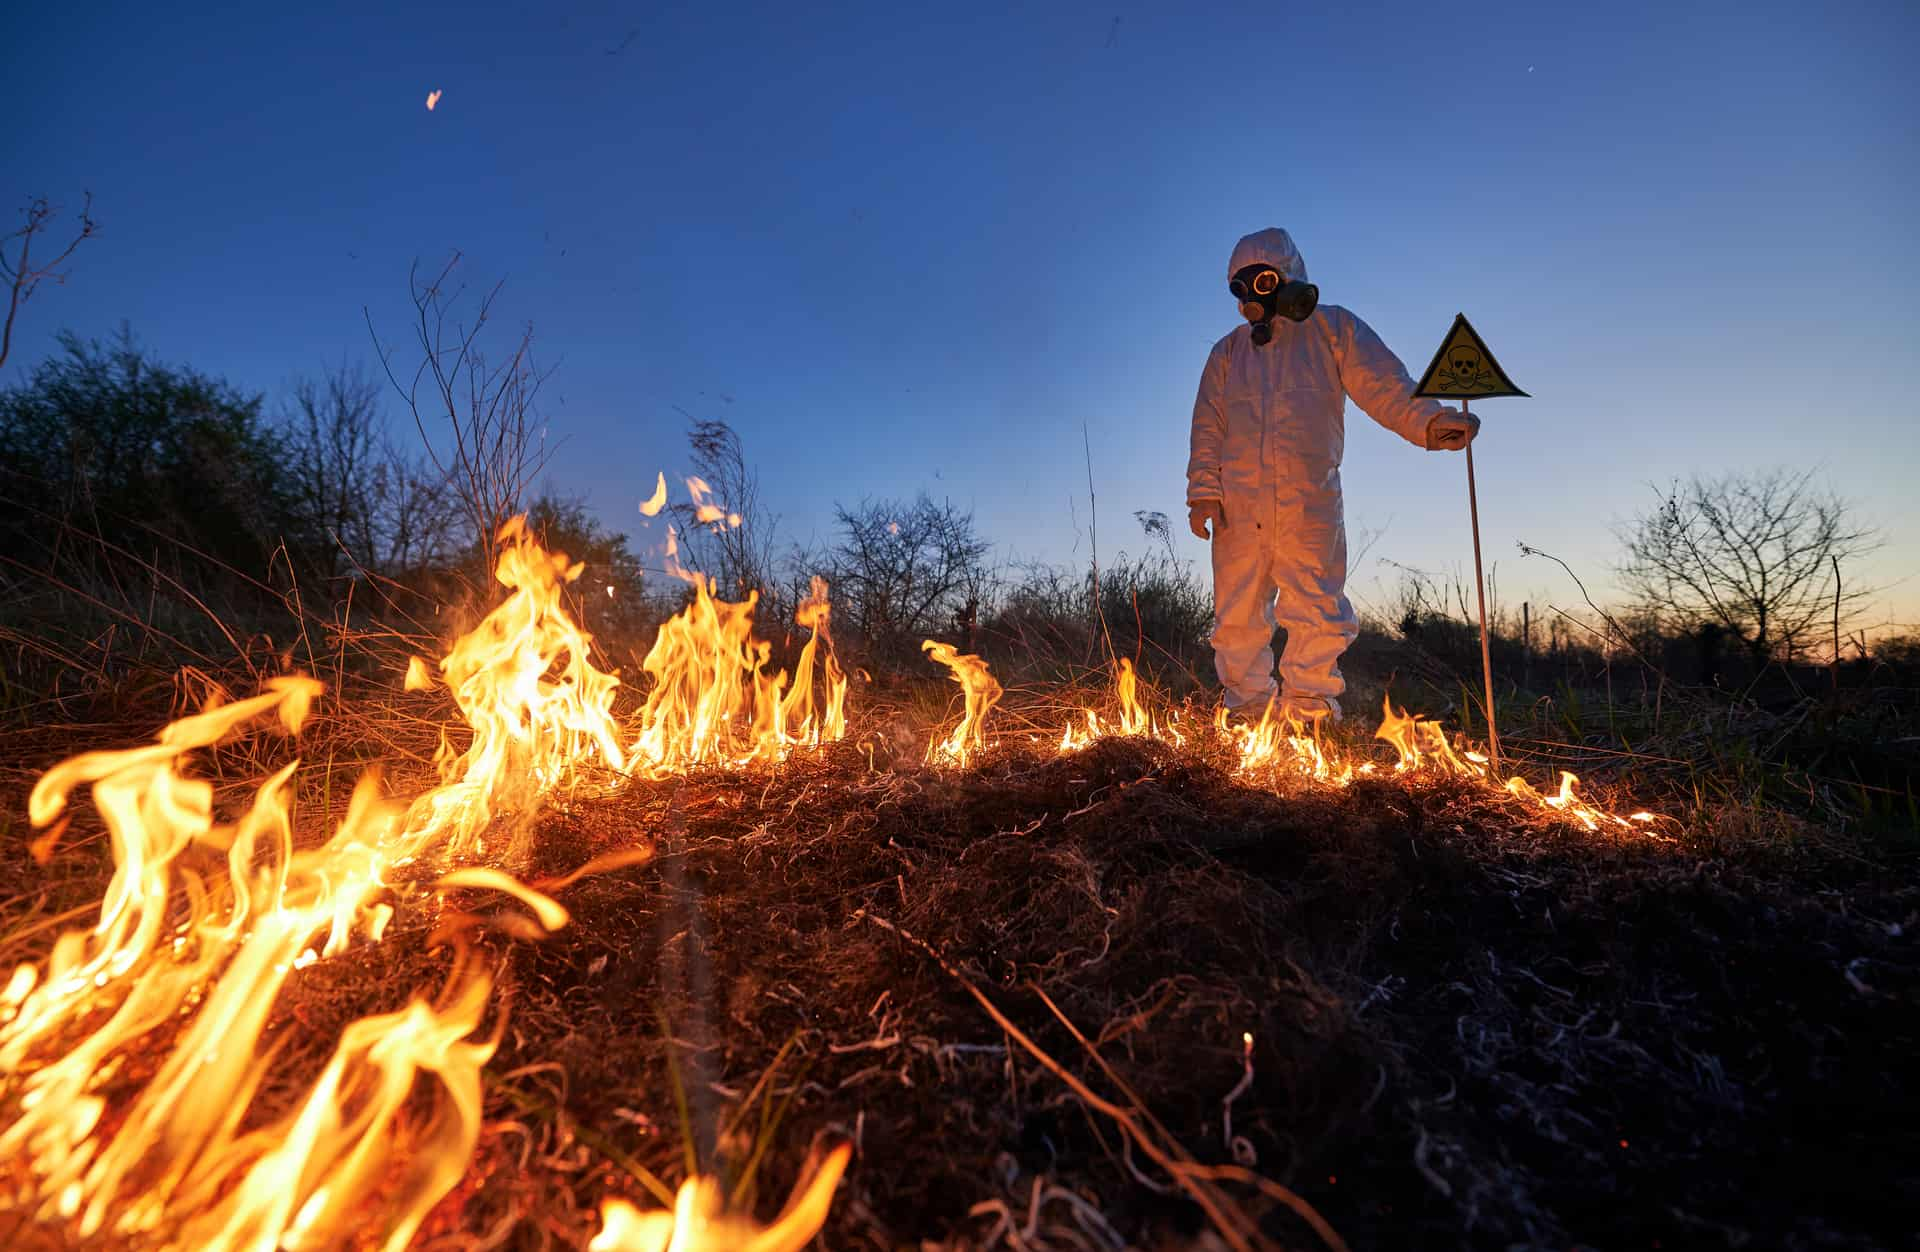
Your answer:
<point x="1251" y="712"/>
<point x="1308" y="710"/>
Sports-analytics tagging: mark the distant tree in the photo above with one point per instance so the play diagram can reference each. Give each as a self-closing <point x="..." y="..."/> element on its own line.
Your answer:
<point x="332" y="432"/>
<point x="18" y="269"/>
<point x="104" y="440"/>
<point x="905" y="572"/>
<point x="1752" y="555"/>
<point x="364" y="504"/>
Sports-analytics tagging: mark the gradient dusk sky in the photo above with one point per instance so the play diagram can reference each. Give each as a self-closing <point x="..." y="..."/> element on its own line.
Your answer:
<point x="919" y="247"/>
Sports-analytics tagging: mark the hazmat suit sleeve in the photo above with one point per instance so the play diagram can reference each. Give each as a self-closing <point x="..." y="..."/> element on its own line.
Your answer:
<point x="1209" y="437"/>
<point x="1379" y="383"/>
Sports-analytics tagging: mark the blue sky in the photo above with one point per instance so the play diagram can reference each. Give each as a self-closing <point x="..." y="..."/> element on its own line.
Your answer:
<point x="907" y="248"/>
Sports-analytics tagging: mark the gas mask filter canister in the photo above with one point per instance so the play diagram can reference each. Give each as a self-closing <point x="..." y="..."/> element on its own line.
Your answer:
<point x="1264" y="295"/>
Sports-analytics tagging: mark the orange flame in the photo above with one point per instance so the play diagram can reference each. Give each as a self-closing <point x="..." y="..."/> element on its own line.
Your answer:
<point x="525" y="683"/>
<point x="175" y="1151"/>
<point x="710" y="700"/>
<point x="699" y="1221"/>
<point x="1282" y="744"/>
<point x="178" y="977"/>
<point x="651" y="506"/>
<point x="982" y="693"/>
<point x="796" y="712"/>
<point x="168" y="1166"/>
<point x="1134" y="718"/>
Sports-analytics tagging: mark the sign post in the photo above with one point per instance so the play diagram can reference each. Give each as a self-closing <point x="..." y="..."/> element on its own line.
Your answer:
<point x="1462" y="370"/>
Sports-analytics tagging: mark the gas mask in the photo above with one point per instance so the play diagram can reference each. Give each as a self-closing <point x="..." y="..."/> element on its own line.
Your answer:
<point x="1264" y="295"/>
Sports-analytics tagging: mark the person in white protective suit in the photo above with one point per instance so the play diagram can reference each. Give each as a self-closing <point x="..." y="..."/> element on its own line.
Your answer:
<point x="1268" y="433"/>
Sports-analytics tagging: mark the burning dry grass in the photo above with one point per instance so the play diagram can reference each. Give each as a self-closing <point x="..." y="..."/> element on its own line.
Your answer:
<point x="1456" y="1021"/>
<point x="1170" y="986"/>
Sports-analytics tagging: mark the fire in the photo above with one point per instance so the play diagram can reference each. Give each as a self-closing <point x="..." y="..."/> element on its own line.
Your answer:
<point x="699" y="1221"/>
<point x="982" y="693"/>
<point x="797" y="711"/>
<point x="181" y="972"/>
<point x="712" y="701"/>
<point x="651" y="506"/>
<point x="1280" y="747"/>
<point x="316" y="1169"/>
<point x="525" y="684"/>
<point x="1133" y="719"/>
<point x="200" y="990"/>
<point x="134" y="1054"/>
<point x="1422" y="745"/>
<point x="433" y="98"/>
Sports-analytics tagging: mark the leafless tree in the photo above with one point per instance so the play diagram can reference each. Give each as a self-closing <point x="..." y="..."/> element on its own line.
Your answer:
<point x="737" y="552"/>
<point x="21" y="273"/>
<point x="904" y="571"/>
<point x="1752" y="554"/>
<point x="374" y="506"/>
<point x="333" y="441"/>
<point x="477" y="414"/>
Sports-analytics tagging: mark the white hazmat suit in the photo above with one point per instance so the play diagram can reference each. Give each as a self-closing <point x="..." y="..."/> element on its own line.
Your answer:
<point x="1268" y="433"/>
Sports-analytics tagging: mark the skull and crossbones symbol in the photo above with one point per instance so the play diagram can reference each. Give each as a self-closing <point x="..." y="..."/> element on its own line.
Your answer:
<point x="1465" y="370"/>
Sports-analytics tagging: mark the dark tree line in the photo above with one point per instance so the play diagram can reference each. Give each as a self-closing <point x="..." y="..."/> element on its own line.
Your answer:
<point x="104" y="448"/>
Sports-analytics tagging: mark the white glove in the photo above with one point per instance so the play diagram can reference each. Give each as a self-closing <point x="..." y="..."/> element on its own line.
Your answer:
<point x="1451" y="431"/>
<point x="1200" y="511"/>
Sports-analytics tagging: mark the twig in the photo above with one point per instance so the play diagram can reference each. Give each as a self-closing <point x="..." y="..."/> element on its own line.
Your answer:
<point x="1093" y="537"/>
<point x="1234" y="1225"/>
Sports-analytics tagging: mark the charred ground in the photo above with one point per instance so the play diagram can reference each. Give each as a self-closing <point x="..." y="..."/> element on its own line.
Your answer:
<point x="1468" y="1031"/>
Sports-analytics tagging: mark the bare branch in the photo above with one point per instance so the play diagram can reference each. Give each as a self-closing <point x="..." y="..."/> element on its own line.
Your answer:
<point x="22" y="276"/>
<point x="493" y="445"/>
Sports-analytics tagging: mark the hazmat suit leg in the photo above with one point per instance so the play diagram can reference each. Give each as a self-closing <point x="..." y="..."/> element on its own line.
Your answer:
<point x="1309" y="570"/>
<point x="1243" y="618"/>
<point x="1289" y="570"/>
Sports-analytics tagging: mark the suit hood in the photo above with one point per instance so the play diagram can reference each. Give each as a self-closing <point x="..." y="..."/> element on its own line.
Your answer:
<point x="1271" y="246"/>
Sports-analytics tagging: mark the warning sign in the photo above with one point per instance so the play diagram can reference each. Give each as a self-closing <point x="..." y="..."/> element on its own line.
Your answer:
<point x="1463" y="368"/>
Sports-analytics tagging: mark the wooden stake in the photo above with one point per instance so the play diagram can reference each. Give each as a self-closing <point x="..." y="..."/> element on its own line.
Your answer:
<point x="1480" y="592"/>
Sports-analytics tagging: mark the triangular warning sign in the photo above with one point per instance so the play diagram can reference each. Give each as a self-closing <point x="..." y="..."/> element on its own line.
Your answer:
<point x="1464" y="369"/>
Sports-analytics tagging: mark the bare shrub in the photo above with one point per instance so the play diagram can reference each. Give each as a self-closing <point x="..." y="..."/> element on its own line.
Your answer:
<point x="368" y="505"/>
<point x="1755" y="555"/>
<point x="903" y="572"/>
<point x="477" y="413"/>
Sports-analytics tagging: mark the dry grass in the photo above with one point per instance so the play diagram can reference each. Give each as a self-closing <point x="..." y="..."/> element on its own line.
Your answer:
<point x="1469" y="1030"/>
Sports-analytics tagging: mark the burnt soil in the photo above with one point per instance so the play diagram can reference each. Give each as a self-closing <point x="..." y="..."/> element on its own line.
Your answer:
<point x="1470" y="1029"/>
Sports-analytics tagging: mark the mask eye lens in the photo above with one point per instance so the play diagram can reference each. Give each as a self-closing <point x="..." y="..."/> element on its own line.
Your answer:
<point x="1264" y="282"/>
<point x="1238" y="288"/>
